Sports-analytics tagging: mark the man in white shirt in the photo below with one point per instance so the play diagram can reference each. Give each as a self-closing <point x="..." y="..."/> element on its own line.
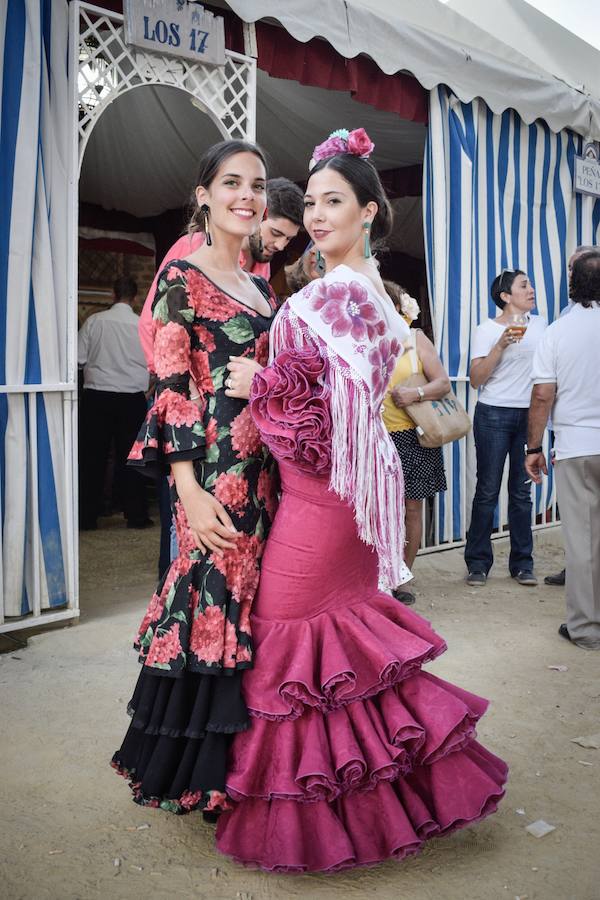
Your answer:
<point x="559" y="578"/>
<point x="113" y="405"/>
<point x="565" y="376"/>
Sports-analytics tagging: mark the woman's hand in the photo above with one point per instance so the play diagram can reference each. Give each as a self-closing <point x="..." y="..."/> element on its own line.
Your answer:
<point x="241" y="372"/>
<point x="402" y="396"/>
<point x="209" y="522"/>
<point x="506" y="339"/>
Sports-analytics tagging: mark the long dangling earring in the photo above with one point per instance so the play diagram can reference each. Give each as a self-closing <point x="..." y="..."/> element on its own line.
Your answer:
<point x="367" y="244"/>
<point x="261" y="246"/>
<point x="205" y="210"/>
<point x="318" y="259"/>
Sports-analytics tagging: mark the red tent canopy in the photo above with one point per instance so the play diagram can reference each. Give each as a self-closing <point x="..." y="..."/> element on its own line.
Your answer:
<point x="317" y="64"/>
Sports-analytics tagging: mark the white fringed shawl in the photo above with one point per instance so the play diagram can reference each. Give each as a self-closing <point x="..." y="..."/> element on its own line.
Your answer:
<point x="360" y="334"/>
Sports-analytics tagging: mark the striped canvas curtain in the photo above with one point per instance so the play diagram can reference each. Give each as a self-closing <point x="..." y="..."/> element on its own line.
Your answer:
<point x="497" y="194"/>
<point x="34" y="138"/>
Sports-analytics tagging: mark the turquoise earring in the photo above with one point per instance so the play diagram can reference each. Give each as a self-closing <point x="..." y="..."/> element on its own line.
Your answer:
<point x="318" y="259"/>
<point x="367" y="246"/>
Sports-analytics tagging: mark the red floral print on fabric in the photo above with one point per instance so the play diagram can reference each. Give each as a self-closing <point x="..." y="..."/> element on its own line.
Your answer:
<point x="197" y="581"/>
<point x="165" y="647"/>
<point x="383" y="359"/>
<point x="266" y="493"/>
<point x="190" y="800"/>
<point x="174" y="272"/>
<point x="347" y="308"/>
<point x="157" y="604"/>
<point x="230" y="647"/>
<point x="200" y="372"/>
<point x="208" y="301"/>
<point x="171" y="350"/>
<point x="243" y="654"/>
<point x="185" y="541"/>
<point x="199" y="624"/>
<point x="205" y="337"/>
<point x="137" y="451"/>
<point x="153" y="613"/>
<point x="174" y="409"/>
<point x="217" y="800"/>
<point x="261" y="349"/>
<point x="245" y="438"/>
<point x="211" y="433"/>
<point x="240" y="567"/>
<point x="244" y="617"/>
<point x="194" y="598"/>
<point x="207" y="636"/>
<point x="232" y="491"/>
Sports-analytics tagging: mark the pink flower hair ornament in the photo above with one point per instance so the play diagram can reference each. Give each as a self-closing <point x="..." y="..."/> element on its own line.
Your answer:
<point x="356" y="142"/>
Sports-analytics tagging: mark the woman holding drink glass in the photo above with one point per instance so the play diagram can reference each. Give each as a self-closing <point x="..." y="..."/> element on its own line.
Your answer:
<point x="501" y="357"/>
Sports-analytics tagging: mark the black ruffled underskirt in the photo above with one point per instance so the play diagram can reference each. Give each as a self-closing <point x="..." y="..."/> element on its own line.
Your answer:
<point x="174" y="754"/>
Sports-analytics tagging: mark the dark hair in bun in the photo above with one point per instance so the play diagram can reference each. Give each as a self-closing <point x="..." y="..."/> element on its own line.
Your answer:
<point x="363" y="178"/>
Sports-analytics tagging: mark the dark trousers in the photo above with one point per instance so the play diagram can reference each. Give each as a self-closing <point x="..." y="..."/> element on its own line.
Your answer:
<point x="500" y="432"/>
<point x="107" y="416"/>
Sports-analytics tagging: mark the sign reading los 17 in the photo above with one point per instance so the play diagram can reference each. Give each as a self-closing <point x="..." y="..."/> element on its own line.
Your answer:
<point x="169" y="35"/>
<point x="175" y="28"/>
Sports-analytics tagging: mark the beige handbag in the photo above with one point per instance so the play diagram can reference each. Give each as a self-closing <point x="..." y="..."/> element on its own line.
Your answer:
<point x="437" y="422"/>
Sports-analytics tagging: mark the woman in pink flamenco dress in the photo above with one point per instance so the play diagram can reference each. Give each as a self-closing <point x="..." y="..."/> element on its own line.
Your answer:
<point x="355" y="755"/>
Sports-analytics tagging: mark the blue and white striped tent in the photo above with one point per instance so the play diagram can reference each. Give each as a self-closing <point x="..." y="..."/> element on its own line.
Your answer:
<point x="497" y="194"/>
<point x="36" y="468"/>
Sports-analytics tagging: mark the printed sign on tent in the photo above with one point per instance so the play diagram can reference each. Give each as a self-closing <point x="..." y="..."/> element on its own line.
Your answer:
<point x="175" y="28"/>
<point x="587" y="171"/>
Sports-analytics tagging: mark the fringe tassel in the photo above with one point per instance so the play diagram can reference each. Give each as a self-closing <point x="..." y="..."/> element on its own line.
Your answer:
<point x="366" y="471"/>
<point x="365" y="467"/>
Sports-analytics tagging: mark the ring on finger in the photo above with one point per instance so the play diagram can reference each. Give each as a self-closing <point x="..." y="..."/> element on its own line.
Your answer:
<point x="229" y="383"/>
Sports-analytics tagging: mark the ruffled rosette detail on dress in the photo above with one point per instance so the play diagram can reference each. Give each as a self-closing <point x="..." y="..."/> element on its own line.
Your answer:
<point x="290" y="406"/>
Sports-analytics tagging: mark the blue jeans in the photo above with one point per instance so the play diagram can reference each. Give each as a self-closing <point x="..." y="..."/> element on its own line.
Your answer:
<point x="499" y="432"/>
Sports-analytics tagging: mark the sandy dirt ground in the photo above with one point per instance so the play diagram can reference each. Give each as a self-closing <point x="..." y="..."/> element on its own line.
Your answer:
<point x="69" y="830"/>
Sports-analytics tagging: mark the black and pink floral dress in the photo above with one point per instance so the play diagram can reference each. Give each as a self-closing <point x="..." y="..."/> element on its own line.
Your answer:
<point x="194" y="641"/>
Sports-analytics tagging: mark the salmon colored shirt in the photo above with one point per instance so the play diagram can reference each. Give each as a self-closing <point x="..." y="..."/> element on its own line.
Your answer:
<point x="181" y="249"/>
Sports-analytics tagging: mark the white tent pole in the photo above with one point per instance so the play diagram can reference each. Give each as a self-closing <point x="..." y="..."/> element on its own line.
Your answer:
<point x="70" y="404"/>
<point x="34" y="513"/>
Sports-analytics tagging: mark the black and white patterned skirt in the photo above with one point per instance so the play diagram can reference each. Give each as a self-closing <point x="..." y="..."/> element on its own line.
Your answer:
<point x="423" y="467"/>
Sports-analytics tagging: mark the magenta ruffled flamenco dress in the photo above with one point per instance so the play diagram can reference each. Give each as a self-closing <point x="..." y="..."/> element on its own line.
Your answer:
<point x="355" y="755"/>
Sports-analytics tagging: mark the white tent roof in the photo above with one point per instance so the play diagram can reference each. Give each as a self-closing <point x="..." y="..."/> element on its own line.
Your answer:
<point x="438" y="46"/>
<point x="159" y="128"/>
<point x="546" y="42"/>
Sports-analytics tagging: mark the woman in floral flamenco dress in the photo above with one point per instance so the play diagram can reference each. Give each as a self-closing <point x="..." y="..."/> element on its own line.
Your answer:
<point x="194" y="641"/>
<point x="355" y="755"/>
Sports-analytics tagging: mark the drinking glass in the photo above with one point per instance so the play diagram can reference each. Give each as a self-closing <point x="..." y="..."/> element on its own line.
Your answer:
<point x="517" y="324"/>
